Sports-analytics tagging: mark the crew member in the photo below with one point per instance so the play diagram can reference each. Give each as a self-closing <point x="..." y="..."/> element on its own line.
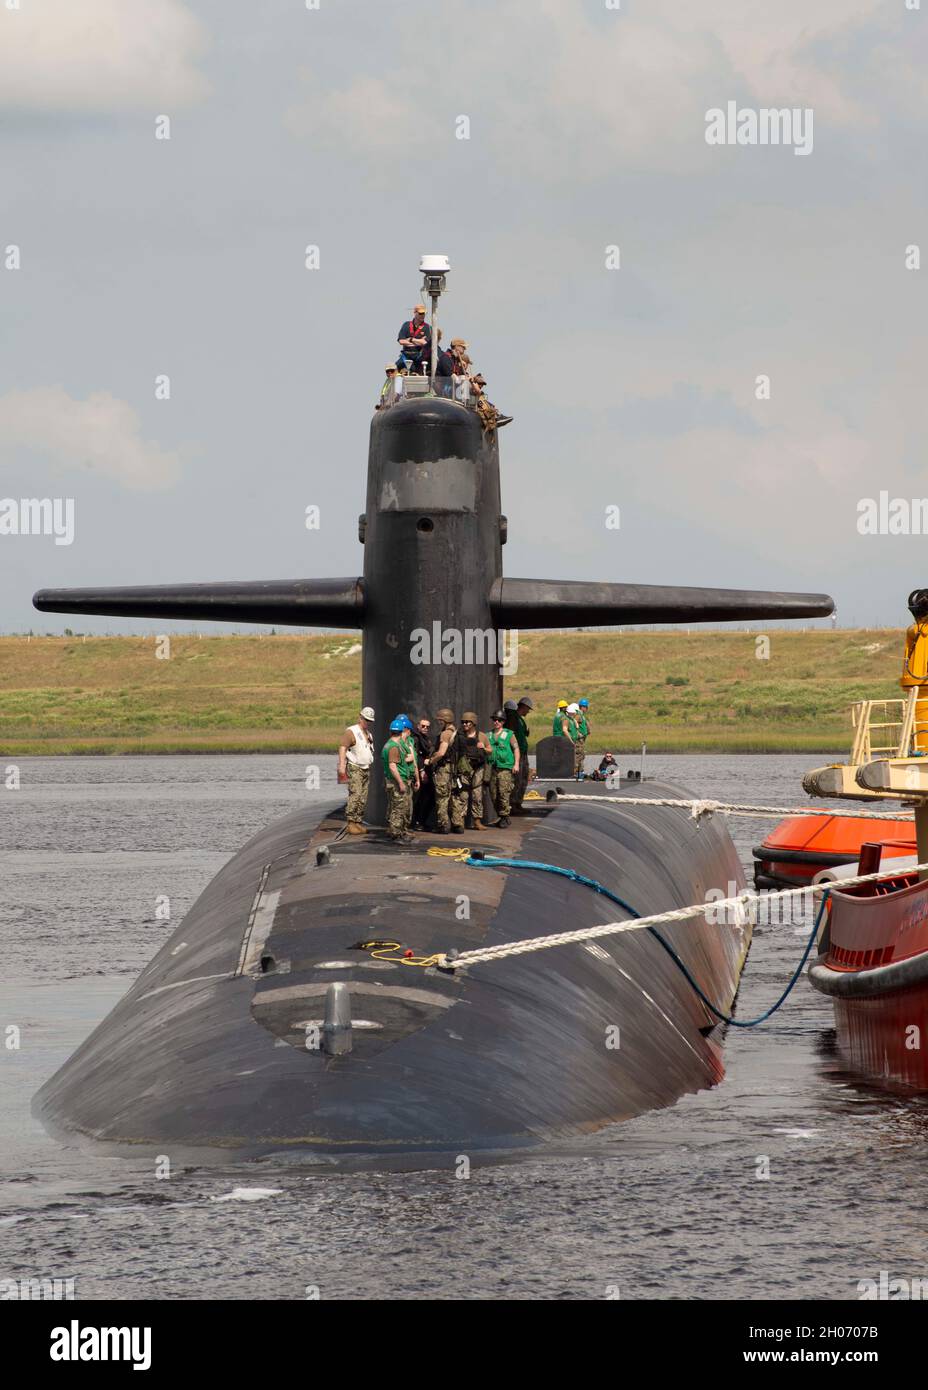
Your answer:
<point x="470" y="753"/>
<point x="355" y="757"/>
<point x="444" y="367"/>
<point x="452" y="362"/>
<point x="607" y="766"/>
<point x="409" y="741"/>
<point x="504" y="767"/>
<point x="561" y="727"/>
<point x="915" y="666"/>
<point x="573" y="714"/>
<point x="524" y="707"/>
<point x="490" y="417"/>
<point x="415" y="340"/>
<point x="442" y="769"/>
<point x="389" y="385"/>
<point x="584" y="729"/>
<point x="425" y="797"/>
<point x="400" y="778"/>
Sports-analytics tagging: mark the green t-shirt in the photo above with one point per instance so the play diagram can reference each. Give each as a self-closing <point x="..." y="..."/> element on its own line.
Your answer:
<point x="405" y="768"/>
<point x="502" y="753"/>
<point x="522" y="735"/>
<point x="558" y="720"/>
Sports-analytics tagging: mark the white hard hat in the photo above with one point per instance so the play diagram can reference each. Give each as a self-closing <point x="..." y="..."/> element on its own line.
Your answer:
<point x="573" y="709"/>
<point x="367" y="713"/>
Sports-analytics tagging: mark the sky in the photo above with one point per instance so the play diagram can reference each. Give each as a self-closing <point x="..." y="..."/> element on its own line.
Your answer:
<point x="636" y="376"/>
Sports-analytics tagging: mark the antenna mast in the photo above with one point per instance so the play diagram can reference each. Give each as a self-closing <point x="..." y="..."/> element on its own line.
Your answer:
<point x="435" y="270"/>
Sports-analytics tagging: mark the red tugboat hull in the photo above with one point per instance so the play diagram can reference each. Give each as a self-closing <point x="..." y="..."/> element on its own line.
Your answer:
<point x="875" y="969"/>
<point x="799" y="846"/>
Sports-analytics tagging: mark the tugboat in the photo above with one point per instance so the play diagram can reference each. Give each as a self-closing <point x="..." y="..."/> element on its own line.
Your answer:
<point x="874" y="948"/>
<point x="794" y="853"/>
<point x="800" y="847"/>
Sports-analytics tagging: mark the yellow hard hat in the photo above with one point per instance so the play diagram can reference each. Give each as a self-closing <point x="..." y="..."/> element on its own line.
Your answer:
<point x="562" y="704"/>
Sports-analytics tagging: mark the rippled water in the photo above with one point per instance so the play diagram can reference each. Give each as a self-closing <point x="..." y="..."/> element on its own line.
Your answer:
<point x="669" y="1205"/>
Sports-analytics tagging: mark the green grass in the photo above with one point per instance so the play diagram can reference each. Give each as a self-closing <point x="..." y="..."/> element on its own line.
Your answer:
<point x="702" y="691"/>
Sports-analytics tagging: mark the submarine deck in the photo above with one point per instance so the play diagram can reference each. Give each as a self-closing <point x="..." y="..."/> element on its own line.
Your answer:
<point x="215" y="1047"/>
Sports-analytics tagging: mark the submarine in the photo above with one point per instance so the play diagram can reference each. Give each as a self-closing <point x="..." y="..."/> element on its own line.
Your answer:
<point x="298" y="1009"/>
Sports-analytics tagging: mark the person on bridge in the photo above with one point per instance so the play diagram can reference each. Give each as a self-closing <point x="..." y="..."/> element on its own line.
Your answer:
<point x="490" y="417"/>
<point x="415" y="340"/>
<point x="355" y="758"/>
<point x="389" y="386"/>
<point x="452" y="362"/>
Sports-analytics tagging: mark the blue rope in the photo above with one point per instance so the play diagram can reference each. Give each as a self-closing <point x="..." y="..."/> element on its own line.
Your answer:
<point x="488" y="861"/>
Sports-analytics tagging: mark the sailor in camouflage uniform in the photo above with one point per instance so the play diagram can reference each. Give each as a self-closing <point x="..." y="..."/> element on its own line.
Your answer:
<point x="443" y="769"/>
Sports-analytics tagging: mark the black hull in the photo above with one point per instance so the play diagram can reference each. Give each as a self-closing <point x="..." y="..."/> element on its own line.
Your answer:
<point x="206" y="1054"/>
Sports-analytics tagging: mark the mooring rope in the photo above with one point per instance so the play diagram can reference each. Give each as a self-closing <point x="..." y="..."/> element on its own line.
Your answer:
<point x="739" y="906"/>
<point x="699" y="808"/>
<point x="666" y="946"/>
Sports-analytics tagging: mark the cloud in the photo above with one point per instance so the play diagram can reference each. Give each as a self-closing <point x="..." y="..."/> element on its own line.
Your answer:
<point x="101" y="434"/>
<point x="100" y="56"/>
<point x="558" y="95"/>
<point x="369" y="114"/>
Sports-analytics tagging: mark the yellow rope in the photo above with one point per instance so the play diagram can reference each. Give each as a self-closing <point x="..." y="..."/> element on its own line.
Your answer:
<point x="440" y="852"/>
<point x="385" y="950"/>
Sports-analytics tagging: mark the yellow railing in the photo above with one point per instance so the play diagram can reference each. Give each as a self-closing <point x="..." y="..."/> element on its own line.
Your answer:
<point x="889" y="728"/>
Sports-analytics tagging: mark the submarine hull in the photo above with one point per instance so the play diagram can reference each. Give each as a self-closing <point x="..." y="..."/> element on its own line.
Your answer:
<point x="215" y="1048"/>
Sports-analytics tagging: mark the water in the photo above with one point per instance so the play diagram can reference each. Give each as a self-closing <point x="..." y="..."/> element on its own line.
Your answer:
<point x="666" y="1206"/>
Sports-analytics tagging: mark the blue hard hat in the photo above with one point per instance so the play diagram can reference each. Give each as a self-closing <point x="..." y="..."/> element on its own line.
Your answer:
<point x="584" y="704"/>
<point x="404" y="721"/>
<point x="397" y="726"/>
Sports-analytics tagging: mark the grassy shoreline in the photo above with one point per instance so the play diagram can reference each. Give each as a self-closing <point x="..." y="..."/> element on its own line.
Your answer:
<point x="667" y="742"/>
<point x="701" y="691"/>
